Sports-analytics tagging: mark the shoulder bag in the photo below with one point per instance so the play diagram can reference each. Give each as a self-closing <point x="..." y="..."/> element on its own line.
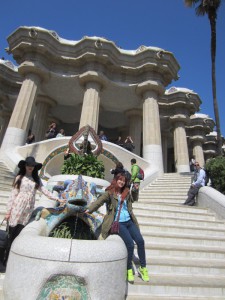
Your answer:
<point x="115" y="225"/>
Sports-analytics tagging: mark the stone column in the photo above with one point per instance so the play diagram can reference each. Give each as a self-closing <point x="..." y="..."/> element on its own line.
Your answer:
<point x="5" y="116"/>
<point x="164" y="150"/>
<point x="152" y="149"/>
<point x="197" y="142"/>
<point x="180" y="143"/>
<point x="40" y="122"/>
<point x="17" y="130"/>
<point x="135" y="128"/>
<point x="90" y="110"/>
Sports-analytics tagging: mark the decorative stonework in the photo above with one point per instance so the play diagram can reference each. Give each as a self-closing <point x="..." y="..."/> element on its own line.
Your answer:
<point x="61" y="150"/>
<point x="141" y="49"/>
<point x="33" y="33"/>
<point x="86" y="132"/>
<point x="64" y="287"/>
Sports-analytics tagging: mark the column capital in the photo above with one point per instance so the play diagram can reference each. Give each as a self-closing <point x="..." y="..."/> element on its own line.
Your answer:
<point x="30" y="68"/>
<point x="46" y="100"/>
<point x="134" y="112"/>
<point x="92" y="76"/>
<point x="197" y="139"/>
<point x="179" y="118"/>
<point x="150" y="85"/>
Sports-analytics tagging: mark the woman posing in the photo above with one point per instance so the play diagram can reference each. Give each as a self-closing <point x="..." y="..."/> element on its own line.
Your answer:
<point x="118" y="195"/>
<point x="22" y="199"/>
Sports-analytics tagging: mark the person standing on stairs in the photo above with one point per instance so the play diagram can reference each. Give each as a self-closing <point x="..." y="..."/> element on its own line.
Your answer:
<point x="135" y="181"/>
<point x="119" y="208"/>
<point x="22" y="199"/>
<point x="199" y="181"/>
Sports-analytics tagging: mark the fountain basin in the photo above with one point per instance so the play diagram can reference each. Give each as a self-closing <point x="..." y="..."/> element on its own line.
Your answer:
<point x="41" y="267"/>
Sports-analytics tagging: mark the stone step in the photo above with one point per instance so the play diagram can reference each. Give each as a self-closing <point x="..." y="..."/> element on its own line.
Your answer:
<point x="169" y="206"/>
<point x="7" y="182"/>
<point x="172" y="180"/>
<point x="184" y="250"/>
<point x="186" y="229"/>
<point x="168" y="184"/>
<point x="155" y="269"/>
<point x="168" y="285"/>
<point x="151" y="211"/>
<point x="179" y="220"/>
<point x="160" y="196"/>
<point x="165" y="189"/>
<point x="168" y="264"/>
<point x="149" y="297"/>
<point x="164" y="193"/>
<point x="181" y="238"/>
<point x="2" y="276"/>
<point x="163" y="200"/>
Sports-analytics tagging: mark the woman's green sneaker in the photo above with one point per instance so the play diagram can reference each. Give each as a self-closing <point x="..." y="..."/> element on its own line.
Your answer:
<point x="143" y="273"/>
<point x="130" y="275"/>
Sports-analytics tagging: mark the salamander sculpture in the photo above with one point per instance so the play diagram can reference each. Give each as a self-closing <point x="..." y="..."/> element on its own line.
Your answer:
<point x="80" y="193"/>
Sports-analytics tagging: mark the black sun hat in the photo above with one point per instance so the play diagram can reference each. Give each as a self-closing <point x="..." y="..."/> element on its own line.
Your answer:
<point x="29" y="161"/>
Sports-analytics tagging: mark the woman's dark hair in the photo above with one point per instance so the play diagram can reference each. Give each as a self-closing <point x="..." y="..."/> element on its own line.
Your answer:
<point x="119" y="165"/>
<point x="113" y="188"/>
<point x="22" y="173"/>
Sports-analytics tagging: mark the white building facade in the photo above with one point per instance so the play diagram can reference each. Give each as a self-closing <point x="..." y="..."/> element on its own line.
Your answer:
<point x="94" y="82"/>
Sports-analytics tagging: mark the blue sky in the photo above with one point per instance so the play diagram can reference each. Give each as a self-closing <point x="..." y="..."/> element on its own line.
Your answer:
<point x="166" y="24"/>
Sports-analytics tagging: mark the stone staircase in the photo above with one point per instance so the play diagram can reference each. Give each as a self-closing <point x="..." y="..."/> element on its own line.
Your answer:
<point x="185" y="246"/>
<point x="6" y="180"/>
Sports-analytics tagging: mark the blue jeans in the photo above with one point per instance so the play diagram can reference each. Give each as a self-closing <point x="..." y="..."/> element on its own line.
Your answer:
<point x="129" y="233"/>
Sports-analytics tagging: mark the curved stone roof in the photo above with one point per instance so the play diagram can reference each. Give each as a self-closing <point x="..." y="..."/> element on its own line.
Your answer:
<point x="96" y="38"/>
<point x="175" y="89"/>
<point x="8" y="64"/>
<point x="197" y="115"/>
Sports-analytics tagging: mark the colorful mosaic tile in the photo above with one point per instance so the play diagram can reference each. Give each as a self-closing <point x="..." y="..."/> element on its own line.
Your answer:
<point x="62" y="287"/>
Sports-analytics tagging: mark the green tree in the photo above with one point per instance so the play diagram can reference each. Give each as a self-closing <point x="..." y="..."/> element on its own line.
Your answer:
<point x="215" y="169"/>
<point x="210" y="8"/>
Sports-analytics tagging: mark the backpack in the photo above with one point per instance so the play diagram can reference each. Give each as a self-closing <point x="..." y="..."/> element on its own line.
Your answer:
<point x="141" y="174"/>
<point x="127" y="175"/>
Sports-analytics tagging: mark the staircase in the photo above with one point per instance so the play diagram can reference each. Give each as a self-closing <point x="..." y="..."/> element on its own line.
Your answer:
<point x="6" y="180"/>
<point x="185" y="246"/>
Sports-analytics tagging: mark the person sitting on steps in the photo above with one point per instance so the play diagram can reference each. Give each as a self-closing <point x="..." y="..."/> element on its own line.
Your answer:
<point x="199" y="181"/>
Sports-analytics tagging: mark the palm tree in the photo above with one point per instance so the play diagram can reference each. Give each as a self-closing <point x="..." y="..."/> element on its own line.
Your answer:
<point x="210" y="8"/>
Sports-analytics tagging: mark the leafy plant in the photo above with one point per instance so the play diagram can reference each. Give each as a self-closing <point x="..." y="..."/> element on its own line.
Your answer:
<point x="215" y="169"/>
<point x="73" y="228"/>
<point x="62" y="231"/>
<point x="87" y="165"/>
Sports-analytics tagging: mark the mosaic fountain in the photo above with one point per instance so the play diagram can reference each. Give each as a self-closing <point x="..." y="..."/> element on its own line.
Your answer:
<point x="82" y="266"/>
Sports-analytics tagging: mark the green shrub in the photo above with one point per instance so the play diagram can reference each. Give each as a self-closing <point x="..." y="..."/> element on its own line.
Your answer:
<point x="73" y="228"/>
<point x="87" y="165"/>
<point x="62" y="231"/>
<point x="215" y="169"/>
